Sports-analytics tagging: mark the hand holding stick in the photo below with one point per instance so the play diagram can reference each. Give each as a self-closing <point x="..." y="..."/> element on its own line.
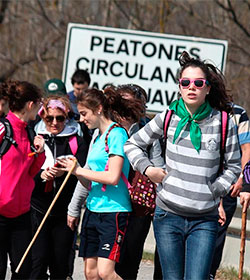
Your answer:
<point x="243" y="242"/>
<point x="46" y="215"/>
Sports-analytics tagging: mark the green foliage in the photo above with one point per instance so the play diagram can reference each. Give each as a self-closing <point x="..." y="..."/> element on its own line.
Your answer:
<point x="224" y="273"/>
<point x="148" y="256"/>
<point x="230" y="273"/>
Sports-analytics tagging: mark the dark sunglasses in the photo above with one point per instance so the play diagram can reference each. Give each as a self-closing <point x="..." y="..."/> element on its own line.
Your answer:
<point x="198" y="83"/>
<point x="58" y="118"/>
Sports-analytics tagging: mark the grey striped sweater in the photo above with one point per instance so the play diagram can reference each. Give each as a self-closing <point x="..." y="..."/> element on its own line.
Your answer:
<point x="192" y="185"/>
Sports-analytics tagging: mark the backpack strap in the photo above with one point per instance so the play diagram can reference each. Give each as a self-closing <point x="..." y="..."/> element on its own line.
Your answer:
<point x="163" y="140"/>
<point x="107" y="135"/>
<point x="224" y="128"/>
<point x="31" y="135"/>
<point x="167" y="121"/>
<point x="8" y="137"/>
<point x="104" y="186"/>
<point x="73" y="144"/>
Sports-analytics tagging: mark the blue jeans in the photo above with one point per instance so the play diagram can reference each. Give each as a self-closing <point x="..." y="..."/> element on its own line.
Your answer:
<point x="185" y="244"/>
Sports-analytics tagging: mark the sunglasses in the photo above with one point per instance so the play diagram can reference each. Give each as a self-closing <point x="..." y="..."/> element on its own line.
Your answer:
<point x="50" y="119"/>
<point x="198" y="83"/>
<point x="136" y="90"/>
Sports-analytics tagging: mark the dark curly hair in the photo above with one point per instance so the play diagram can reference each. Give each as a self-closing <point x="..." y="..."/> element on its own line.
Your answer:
<point x="218" y="97"/>
<point x="18" y="93"/>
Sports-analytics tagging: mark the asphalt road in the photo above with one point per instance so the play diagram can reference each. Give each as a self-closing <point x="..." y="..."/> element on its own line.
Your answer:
<point x="145" y="271"/>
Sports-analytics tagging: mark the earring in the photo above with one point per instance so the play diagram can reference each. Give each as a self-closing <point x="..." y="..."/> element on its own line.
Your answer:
<point x="98" y="113"/>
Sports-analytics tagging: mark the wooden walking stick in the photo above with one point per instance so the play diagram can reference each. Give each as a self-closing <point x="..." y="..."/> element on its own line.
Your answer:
<point x="243" y="241"/>
<point x="46" y="215"/>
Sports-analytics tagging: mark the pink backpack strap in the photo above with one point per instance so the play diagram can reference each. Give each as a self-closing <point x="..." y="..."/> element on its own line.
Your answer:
<point x="125" y="180"/>
<point x="104" y="186"/>
<point x="224" y="125"/>
<point x="224" y="121"/>
<point x="167" y="121"/>
<point x="73" y="144"/>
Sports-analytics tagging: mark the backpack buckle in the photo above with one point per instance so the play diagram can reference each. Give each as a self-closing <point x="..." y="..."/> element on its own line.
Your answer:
<point x="11" y="140"/>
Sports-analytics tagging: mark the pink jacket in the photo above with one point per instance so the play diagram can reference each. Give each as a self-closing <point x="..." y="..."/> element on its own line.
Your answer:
<point x="17" y="171"/>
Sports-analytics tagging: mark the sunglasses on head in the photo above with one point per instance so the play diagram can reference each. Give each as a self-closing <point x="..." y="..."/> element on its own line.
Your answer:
<point x="198" y="83"/>
<point x="58" y="118"/>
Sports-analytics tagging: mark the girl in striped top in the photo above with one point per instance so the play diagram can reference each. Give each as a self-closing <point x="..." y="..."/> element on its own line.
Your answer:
<point x="185" y="221"/>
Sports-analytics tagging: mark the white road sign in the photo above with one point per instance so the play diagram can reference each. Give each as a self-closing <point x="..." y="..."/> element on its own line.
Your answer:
<point x="121" y="56"/>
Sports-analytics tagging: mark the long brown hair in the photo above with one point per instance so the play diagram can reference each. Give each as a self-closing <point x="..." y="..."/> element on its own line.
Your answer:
<point x="114" y="106"/>
<point x="218" y="97"/>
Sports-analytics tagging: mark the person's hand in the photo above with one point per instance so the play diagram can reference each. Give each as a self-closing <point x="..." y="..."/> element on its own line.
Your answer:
<point x="39" y="143"/>
<point x="155" y="174"/>
<point x="46" y="175"/>
<point x="67" y="164"/>
<point x="245" y="200"/>
<point x="222" y="214"/>
<point x="237" y="187"/>
<point x="56" y="171"/>
<point x="72" y="222"/>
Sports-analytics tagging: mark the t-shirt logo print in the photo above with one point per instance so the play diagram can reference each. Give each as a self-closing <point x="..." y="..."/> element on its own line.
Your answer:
<point x="211" y="145"/>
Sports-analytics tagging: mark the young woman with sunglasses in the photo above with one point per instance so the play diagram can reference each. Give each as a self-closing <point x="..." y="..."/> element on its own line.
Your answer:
<point x="186" y="215"/>
<point x="17" y="171"/>
<point x="106" y="217"/>
<point x="54" y="242"/>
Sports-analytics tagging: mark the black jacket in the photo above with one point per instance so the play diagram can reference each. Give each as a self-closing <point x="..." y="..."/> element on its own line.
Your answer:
<point x="56" y="146"/>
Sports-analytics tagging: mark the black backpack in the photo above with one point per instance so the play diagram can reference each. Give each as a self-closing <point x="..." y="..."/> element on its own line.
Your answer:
<point x="8" y="137"/>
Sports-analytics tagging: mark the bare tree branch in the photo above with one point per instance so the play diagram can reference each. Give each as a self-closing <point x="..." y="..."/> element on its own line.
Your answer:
<point x="234" y="17"/>
<point x="3" y="9"/>
<point x="236" y="43"/>
<point x="47" y="18"/>
<point x="238" y="62"/>
<point x="247" y="3"/>
<point x="128" y="17"/>
<point x="15" y="66"/>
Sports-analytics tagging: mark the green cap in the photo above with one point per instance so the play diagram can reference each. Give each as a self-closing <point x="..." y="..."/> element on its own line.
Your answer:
<point x="55" y="86"/>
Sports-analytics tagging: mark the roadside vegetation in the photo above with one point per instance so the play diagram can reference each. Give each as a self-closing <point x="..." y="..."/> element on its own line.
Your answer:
<point x="224" y="273"/>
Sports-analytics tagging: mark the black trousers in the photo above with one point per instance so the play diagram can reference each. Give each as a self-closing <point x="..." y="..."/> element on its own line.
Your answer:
<point x="132" y="247"/>
<point x="51" y="248"/>
<point x="229" y="204"/>
<point x="15" y="236"/>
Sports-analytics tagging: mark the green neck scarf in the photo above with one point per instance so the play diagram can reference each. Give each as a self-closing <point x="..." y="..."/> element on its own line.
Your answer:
<point x="201" y="113"/>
